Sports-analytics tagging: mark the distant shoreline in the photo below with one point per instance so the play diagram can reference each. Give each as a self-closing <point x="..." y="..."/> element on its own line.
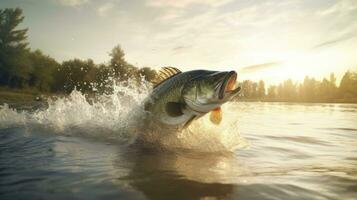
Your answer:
<point x="347" y="101"/>
<point x="29" y="96"/>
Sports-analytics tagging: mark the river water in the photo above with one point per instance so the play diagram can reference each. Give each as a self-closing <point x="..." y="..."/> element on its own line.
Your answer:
<point x="284" y="151"/>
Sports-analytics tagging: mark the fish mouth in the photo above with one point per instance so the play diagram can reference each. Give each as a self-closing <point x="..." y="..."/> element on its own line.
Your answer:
<point x="229" y="86"/>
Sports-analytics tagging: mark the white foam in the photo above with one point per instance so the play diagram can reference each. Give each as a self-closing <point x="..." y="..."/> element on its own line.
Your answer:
<point x="117" y="116"/>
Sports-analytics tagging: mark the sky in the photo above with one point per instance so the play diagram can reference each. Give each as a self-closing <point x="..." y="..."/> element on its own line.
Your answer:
<point x="272" y="40"/>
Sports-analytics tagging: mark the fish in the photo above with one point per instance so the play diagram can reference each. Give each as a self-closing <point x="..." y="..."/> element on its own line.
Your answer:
<point x="178" y="98"/>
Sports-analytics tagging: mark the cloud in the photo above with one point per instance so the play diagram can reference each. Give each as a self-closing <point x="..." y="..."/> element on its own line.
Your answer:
<point x="223" y="37"/>
<point x="73" y="2"/>
<point x="184" y="3"/>
<point x="262" y="66"/>
<point x="339" y="19"/>
<point x="170" y="15"/>
<point x="180" y="49"/>
<point x="335" y="41"/>
<point x="104" y="9"/>
<point x="340" y="7"/>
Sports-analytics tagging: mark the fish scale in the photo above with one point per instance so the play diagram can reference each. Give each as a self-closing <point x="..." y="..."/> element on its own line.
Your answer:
<point x="185" y="96"/>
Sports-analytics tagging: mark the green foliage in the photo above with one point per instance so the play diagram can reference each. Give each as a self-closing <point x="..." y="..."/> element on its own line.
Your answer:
<point x="22" y="68"/>
<point x="75" y="74"/>
<point x="14" y="63"/>
<point x="42" y="75"/>
<point x="86" y="76"/>
<point x="120" y="67"/>
<point x="9" y="36"/>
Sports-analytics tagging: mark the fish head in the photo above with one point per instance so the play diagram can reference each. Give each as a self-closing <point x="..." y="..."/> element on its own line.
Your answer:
<point x="209" y="90"/>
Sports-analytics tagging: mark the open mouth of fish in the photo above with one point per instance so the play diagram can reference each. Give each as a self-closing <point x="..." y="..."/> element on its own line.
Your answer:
<point x="229" y="86"/>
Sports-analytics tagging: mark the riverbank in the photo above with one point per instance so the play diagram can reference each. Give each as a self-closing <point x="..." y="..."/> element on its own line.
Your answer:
<point x="22" y="96"/>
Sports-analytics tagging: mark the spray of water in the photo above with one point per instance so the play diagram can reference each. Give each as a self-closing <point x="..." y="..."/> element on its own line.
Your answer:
<point x="117" y="116"/>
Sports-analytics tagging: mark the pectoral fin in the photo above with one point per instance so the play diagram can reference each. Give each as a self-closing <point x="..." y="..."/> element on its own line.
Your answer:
<point x="216" y="116"/>
<point x="188" y="123"/>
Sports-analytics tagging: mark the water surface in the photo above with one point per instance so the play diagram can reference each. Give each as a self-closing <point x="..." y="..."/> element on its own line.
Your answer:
<point x="290" y="151"/>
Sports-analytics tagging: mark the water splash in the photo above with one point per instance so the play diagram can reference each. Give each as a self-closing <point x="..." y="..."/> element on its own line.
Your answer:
<point x="202" y="135"/>
<point x="117" y="116"/>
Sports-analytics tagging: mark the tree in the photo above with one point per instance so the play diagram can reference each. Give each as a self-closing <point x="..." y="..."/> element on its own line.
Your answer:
<point x="15" y="66"/>
<point x="247" y="89"/>
<point x="44" y="67"/>
<point x="254" y="90"/>
<point x="122" y="70"/>
<point x="308" y="90"/>
<point x="261" y="89"/>
<point x="332" y="87"/>
<point x="280" y="91"/>
<point x="76" y="73"/>
<point x="348" y="85"/>
<point x="9" y="37"/>
<point x="289" y="90"/>
<point x="272" y="92"/>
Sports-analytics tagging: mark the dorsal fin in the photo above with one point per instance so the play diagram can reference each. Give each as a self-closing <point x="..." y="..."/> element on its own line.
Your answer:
<point x="164" y="74"/>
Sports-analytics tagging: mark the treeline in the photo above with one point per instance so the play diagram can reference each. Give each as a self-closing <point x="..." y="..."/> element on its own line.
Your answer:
<point x="23" y="68"/>
<point x="310" y="90"/>
<point x="20" y="67"/>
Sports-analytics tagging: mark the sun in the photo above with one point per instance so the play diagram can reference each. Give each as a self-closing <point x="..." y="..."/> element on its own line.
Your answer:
<point x="296" y="66"/>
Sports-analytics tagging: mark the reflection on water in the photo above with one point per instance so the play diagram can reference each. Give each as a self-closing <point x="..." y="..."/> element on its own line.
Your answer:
<point x="173" y="176"/>
<point x="297" y="151"/>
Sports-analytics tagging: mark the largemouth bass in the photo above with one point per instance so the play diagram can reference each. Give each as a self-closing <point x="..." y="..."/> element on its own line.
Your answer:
<point x="181" y="97"/>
